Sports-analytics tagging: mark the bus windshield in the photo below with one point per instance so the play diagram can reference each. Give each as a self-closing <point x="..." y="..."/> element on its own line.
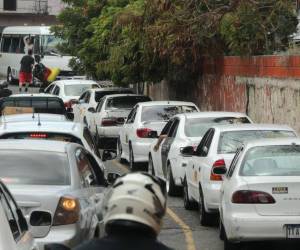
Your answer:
<point x="49" y="44"/>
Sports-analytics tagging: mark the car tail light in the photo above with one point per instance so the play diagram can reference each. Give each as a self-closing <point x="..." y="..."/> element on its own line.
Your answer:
<point x="67" y="211"/>
<point x="106" y="122"/>
<point x="38" y="135"/>
<point x="216" y="177"/>
<point x="143" y="132"/>
<point x="252" y="197"/>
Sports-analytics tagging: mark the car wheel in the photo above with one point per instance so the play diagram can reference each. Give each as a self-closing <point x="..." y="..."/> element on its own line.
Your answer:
<point x="132" y="164"/>
<point x="9" y="76"/>
<point x="119" y="151"/>
<point x="172" y="189"/>
<point x="206" y="219"/>
<point x="150" y="166"/>
<point x="188" y="204"/>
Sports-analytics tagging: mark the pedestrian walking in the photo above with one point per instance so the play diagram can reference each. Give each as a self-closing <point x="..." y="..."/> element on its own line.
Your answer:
<point x="133" y="210"/>
<point x="25" y="75"/>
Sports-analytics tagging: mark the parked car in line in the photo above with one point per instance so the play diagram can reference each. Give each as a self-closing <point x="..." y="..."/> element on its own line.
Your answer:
<point x="14" y="231"/>
<point x="260" y="193"/>
<point x="165" y="159"/>
<point x="40" y="103"/>
<point x="217" y="149"/>
<point x="108" y="118"/>
<point x="70" y="90"/>
<point x="60" y="177"/>
<point x="144" y="118"/>
<point x="50" y="130"/>
<point x="90" y="99"/>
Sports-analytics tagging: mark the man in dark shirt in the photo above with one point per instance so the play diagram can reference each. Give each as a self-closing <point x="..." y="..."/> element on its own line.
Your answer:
<point x="25" y="75"/>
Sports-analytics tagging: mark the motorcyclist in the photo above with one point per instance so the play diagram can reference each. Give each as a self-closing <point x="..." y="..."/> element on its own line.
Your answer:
<point x="133" y="210"/>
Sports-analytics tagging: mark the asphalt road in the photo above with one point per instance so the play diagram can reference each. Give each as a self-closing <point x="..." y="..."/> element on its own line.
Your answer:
<point x="181" y="228"/>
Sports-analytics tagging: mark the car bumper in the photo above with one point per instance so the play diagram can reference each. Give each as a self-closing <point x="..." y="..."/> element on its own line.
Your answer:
<point x="141" y="150"/>
<point x="68" y="235"/>
<point x="212" y="196"/>
<point x="253" y="227"/>
<point x="112" y="131"/>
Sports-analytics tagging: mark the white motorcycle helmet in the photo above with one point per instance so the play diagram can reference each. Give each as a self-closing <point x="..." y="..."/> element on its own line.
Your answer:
<point x="135" y="199"/>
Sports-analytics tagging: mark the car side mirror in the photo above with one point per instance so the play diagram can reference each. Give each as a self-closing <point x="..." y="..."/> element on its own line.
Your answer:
<point x="92" y="110"/>
<point x="153" y="134"/>
<point x="40" y="222"/>
<point x="221" y="170"/>
<point x="108" y="155"/>
<point x="187" y="151"/>
<point x="111" y="177"/>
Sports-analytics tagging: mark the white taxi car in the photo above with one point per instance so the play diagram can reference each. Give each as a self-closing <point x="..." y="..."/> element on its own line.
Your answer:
<point x="260" y="193"/>
<point x="90" y="99"/>
<point x="144" y="118"/>
<point x="165" y="159"/>
<point x="217" y="149"/>
<point x="70" y="90"/>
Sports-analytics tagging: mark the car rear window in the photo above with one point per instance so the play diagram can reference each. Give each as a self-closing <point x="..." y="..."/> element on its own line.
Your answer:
<point x="231" y="140"/>
<point x="43" y="136"/>
<point x="196" y="127"/>
<point x="32" y="167"/>
<point x="125" y="102"/>
<point x="275" y="160"/>
<point x="164" y="112"/>
<point x="40" y="105"/>
<point x="78" y="89"/>
<point x="101" y="94"/>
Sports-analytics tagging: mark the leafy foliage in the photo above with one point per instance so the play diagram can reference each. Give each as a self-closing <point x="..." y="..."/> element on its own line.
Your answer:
<point x="132" y="41"/>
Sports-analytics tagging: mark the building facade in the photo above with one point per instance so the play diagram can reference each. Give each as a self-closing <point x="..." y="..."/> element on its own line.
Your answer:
<point x="29" y="12"/>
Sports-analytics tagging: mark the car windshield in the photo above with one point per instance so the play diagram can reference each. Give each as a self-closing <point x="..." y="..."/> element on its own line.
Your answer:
<point x="231" y="140"/>
<point x="125" y="102"/>
<point x="30" y="167"/>
<point x="40" y="105"/>
<point x="43" y="136"/>
<point x="100" y="94"/>
<point x="164" y="112"/>
<point x="278" y="160"/>
<point x="196" y="127"/>
<point x="78" y="89"/>
<point x="49" y="45"/>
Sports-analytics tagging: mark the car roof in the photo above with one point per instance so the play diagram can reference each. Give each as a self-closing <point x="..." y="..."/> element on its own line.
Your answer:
<point x="238" y="127"/>
<point x="33" y="95"/>
<point x="67" y="127"/>
<point x="157" y="103"/>
<point x="31" y="144"/>
<point x="120" y="95"/>
<point x="272" y="141"/>
<point x="75" y="82"/>
<point x="31" y="117"/>
<point x="210" y="114"/>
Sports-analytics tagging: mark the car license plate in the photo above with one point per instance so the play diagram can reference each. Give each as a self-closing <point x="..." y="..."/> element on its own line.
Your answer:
<point x="293" y="231"/>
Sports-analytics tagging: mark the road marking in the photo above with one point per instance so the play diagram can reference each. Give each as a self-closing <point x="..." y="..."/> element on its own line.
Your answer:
<point x="190" y="244"/>
<point x="121" y="166"/>
<point x="188" y="234"/>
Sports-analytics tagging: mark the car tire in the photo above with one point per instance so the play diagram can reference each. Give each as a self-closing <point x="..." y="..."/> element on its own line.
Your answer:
<point x="187" y="203"/>
<point x="172" y="189"/>
<point x="132" y="164"/>
<point x="119" y="151"/>
<point x="151" y="169"/>
<point x="206" y="219"/>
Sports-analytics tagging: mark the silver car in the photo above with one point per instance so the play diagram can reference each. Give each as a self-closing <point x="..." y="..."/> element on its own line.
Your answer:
<point x="14" y="232"/>
<point x="60" y="177"/>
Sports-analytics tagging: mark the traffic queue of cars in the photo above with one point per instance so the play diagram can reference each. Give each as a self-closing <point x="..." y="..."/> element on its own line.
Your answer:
<point x="244" y="176"/>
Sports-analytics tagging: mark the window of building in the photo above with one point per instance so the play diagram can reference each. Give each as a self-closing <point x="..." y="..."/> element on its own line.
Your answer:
<point x="10" y="5"/>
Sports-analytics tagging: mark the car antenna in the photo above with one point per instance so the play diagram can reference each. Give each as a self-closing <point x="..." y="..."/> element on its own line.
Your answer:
<point x="39" y="120"/>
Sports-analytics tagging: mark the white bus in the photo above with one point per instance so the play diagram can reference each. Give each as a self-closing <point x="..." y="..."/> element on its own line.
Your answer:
<point x="45" y="44"/>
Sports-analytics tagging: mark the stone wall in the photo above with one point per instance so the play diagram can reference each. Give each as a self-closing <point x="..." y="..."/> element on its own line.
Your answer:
<point x="267" y="88"/>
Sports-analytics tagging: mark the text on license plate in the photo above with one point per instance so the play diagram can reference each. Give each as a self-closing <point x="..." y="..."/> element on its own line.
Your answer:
<point x="293" y="231"/>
